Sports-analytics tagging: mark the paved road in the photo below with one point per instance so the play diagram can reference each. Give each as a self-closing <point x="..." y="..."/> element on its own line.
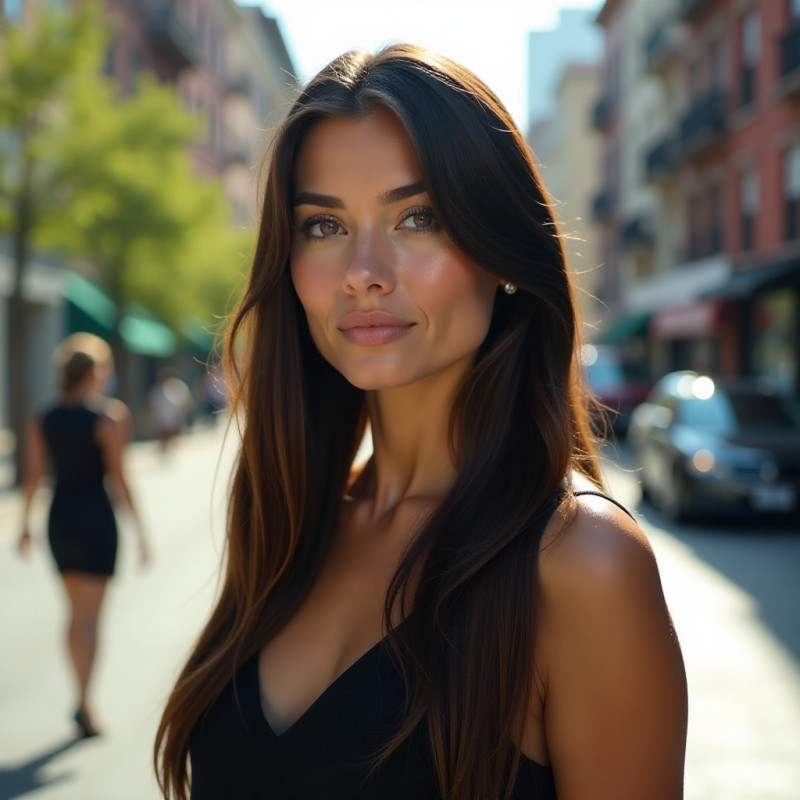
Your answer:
<point x="734" y="593"/>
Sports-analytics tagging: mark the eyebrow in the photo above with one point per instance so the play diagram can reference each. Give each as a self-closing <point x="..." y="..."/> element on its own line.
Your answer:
<point x="384" y="198"/>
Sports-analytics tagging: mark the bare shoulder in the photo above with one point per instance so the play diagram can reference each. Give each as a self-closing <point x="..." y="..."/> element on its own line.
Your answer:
<point x="608" y="661"/>
<point x="590" y="538"/>
<point x="116" y="411"/>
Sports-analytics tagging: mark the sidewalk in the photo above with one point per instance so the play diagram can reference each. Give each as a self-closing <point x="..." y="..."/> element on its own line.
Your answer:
<point x="149" y="622"/>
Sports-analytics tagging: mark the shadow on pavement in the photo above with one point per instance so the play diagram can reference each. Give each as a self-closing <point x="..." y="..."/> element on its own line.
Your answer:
<point x="19" y="780"/>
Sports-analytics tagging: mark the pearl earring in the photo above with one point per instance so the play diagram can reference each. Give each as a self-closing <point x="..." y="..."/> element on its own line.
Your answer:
<point x="509" y="288"/>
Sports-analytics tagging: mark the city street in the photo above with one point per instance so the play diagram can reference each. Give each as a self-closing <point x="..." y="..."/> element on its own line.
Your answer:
<point x="734" y="592"/>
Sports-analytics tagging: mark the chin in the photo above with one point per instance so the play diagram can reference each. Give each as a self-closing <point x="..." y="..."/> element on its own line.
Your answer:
<point x="372" y="380"/>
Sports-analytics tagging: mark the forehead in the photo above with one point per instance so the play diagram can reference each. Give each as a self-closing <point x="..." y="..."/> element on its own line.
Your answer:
<point x="368" y="150"/>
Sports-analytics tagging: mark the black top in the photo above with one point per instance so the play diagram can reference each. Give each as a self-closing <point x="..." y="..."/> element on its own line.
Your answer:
<point x="77" y="459"/>
<point x="329" y="752"/>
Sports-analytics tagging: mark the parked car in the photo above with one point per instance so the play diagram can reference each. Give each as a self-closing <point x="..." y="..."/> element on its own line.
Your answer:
<point x="618" y="382"/>
<point x="723" y="446"/>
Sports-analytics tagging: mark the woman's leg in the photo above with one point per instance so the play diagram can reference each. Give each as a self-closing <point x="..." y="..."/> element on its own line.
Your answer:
<point x="85" y="593"/>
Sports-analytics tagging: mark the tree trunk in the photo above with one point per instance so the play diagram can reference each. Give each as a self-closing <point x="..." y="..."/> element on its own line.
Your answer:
<point x="19" y="368"/>
<point x="124" y="389"/>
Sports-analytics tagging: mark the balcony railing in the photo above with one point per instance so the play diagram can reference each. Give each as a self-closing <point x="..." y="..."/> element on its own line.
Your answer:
<point x="604" y="112"/>
<point x="237" y="155"/>
<point x="604" y="206"/>
<point x="661" y="162"/>
<point x="704" y="124"/>
<point x="638" y="234"/>
<point x="241" y="85"/>
<point x="790" y="63"/>
<point x="663" y="46"/>
<point x="691" y="10"/>
<point x="173" y="39"/>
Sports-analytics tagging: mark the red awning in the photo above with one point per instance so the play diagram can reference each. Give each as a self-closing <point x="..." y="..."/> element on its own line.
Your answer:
<point x="687" y="322"/>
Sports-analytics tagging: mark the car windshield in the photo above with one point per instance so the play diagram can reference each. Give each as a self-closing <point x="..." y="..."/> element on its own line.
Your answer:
<point x="740" y="411"/>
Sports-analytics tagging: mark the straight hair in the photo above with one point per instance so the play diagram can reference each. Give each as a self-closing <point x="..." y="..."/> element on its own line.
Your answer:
<point x="518" y="426"/>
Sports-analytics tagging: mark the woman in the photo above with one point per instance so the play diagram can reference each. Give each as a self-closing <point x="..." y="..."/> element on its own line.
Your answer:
<point x="462" y="617"/>
<point x="83" y="436"/>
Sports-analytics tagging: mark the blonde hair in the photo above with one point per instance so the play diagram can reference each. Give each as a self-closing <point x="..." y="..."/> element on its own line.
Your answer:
<point x="78" y="355"/>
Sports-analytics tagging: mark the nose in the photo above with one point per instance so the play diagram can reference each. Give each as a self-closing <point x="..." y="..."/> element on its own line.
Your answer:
<point x="370" y="268"/>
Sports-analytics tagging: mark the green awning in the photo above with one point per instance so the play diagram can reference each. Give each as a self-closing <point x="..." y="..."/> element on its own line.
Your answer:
<point x="89" y="308"/>
<point x="624" y="328"/>
<point x="145" y="334"/>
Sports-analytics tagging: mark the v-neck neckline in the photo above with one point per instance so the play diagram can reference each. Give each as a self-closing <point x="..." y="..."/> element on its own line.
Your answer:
<point x="261" y="695"/>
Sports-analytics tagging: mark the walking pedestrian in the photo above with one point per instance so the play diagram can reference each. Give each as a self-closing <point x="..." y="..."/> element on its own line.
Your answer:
<point x="170" y="404"/>
<point x="83" y="437"/>
<point x="468" y="615"/>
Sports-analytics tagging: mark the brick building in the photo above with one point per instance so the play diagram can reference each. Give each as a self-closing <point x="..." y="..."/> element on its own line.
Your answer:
<point x="710" y="103"/>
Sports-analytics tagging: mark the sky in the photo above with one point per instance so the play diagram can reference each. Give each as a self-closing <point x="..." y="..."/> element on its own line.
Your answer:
<point x="487" y="36"/>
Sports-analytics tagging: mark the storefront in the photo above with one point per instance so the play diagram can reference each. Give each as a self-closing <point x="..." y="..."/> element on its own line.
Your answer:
<point x="773" y="346"/>
<point x="693" y="336"/>
<point x="766" y="307"/>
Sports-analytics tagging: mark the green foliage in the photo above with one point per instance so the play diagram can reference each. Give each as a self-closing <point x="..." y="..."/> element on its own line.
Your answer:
<point x="109" y="179"/>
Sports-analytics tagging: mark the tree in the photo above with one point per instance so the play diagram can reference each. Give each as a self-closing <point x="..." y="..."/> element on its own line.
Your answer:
<point x="107" y="179"/>
<point x="37" y="66"/>
<point x="156" y="233"/>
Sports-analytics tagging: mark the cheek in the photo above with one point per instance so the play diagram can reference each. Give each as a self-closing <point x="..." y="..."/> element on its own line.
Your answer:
<point x="462" y="295"/>
<point x="311" y="286"/>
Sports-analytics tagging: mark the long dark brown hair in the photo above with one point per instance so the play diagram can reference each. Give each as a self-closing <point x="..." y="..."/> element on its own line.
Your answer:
<point x="518" y="427"/>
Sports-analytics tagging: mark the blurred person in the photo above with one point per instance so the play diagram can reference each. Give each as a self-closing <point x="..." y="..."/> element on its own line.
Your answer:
<point x="170" y="404"/>
<point x="210" y="389"/>
<point x="467" y="615"/>
<point x="83" y="436"/>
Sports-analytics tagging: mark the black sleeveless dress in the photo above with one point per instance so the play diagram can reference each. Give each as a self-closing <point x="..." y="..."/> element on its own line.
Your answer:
<point x="81" y="529"/>
<point x="328" y="753"/>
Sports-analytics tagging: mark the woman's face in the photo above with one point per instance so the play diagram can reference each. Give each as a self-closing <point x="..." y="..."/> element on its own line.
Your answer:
<point x="390" y="300"/>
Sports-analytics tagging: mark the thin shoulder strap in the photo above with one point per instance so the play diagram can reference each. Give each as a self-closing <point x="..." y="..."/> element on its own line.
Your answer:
<point x="597" y="493"/>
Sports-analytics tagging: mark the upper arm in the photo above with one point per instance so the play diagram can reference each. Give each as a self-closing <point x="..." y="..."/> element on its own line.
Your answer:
<point x="609" y="661"/>
<point x="112" y="436"/>
<point x="35" y="454"/>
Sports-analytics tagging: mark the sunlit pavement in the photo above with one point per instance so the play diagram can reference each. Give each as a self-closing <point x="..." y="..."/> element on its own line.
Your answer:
<point x="734" y="594"/>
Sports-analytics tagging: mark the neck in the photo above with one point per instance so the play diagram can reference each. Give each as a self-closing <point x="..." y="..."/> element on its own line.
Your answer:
<point x="411" y="449"/>
<point x="76" y="396"/>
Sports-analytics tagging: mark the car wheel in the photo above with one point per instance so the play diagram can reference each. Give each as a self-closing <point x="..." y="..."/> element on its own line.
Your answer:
<point x="675" y="502"/>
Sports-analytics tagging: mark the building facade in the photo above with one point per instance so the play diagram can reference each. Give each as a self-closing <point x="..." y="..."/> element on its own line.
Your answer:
<point x="566" y="147"/>
<point x="711" y="116"/>
<point x="230" y="65"/>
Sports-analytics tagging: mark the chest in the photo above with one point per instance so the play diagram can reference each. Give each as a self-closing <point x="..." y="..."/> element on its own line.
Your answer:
<point x="330" y="751"/>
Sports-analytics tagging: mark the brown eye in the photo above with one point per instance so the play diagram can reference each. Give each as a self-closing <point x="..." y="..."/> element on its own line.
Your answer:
<point x="419" y="220"/>
<point x="322" y="228"/>
<point x="328" y="227"/>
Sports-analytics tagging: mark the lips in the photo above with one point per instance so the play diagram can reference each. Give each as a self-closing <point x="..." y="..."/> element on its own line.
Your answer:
<point x="373" y="327"/>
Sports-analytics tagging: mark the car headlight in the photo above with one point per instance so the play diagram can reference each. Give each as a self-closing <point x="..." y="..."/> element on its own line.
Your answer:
<point x="705" y="463"/>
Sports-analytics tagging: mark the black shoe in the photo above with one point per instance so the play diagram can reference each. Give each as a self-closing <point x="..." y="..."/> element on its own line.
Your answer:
<point x="85" y="724"/>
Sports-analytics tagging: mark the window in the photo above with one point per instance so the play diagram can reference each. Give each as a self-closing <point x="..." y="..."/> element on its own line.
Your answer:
<point x="716" y="64"/>
<point x="12" y="10"/>
<point x="716" y="198"/>
<point x="773" y="322"/>
<point x="751" y="52"/>
<point x="695" y="227"/>
<point x="749" y="208"/>
<point x="795" y="10"/>
<point x="791" y="191"/>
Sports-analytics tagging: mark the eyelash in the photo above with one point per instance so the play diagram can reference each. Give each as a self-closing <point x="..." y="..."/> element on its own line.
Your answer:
<point x="421" y="210"/>
<point x="308" y="224"/>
